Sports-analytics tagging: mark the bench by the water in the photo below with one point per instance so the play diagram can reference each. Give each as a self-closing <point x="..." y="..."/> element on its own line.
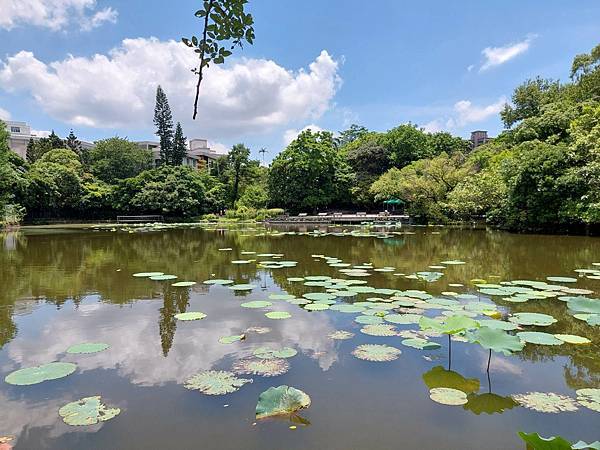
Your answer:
<point x="139" y="219"/>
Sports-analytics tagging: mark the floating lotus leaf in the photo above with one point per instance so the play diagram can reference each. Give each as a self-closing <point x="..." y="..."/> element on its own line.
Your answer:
<point x="183" y="284"/>
<point x="190" y="316"/>
<point x="450" y="325"/>
<point x="281" y="297"/>
<point x="215" y="382"/>
<point x="402" y="319"/>
<point x="448" y="396"/>
<point x="87" y="411"/>
<point x="590" y="398"/>
<point x="562" y="279"/>
<point x="375" y="352"/>
<point x="278" y="315"/>
<point x="453" y="262"/>
<point x="163" y="277"/>
<point x="537" y="319"/>
<point x="317" y="278"/>
<point x="368" y="320"/>
<point x="489" y="403"/>
<point x="298" y="301"/>
<point x="147" y="274"/>
<point x="316" y="283"/>
<point x="242" y="261"/>
<point x="38" y="374"/>
<point x="225" y="249"/>
<point x="262" y="367"/>
<point x="339" y="293"/>
<point x="258" y="330"/>
<point x="580" y="445"/>
<point x="315" y="296"/>
<point x="256" y="304"/>
<point x="242" y="287"/>
<point x="316" y="306"/>
<point x="348" y="308"/>
<point x="584" y="305"/>
<point x="281" y="400"/>
<point x="232" y="339"/>
<point x="593" y="319"/>
<point x="572" y="339"/>
<point x="429" y="277"/>
<point x="496" y="340"/>
<point x="218" y="281"/>
<point x="341" y="335"/>
<point x="295" y="279"/>
<point x="535" y="337"/>
<point x="88" y="347"/>
<point x="439" y="377"/>
<point x="536" y="442"/>
<point x="547" y="402"/>
<point x="269" y="353"/>
<point x="379" y="330"/>
<point x="421" y="344"/>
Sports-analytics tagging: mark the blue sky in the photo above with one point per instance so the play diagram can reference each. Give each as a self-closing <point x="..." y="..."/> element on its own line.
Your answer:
<point x="93" y="65"/>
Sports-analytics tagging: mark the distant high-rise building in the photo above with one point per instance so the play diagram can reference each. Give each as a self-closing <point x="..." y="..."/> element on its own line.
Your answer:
<point x="479" y="137"/>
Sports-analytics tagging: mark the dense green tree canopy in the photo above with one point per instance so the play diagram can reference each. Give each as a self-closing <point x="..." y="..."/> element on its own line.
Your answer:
<point x="117" y="158"/>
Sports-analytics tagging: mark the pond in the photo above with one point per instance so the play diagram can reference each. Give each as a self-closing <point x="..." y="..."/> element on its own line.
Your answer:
<point x="63" y="287"/>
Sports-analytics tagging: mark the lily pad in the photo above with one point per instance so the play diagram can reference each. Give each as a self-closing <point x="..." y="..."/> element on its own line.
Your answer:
<point x="269" y="353"/>
<point x="147" y="274"/>
<point x="450" y="325"/>
<point x="448" y="396"/>
<point x="375" y="352"/>
<point x="537" y="319"/>
<point x="186" y="316"/>
<point x="316" y="296"/>
<point x="573" y="339"/>
<point x="215" y="382"/>
<point x="163" y="277"/>
<point x="562" y="279"/>
<point x="368" y="320"/>
<point x="184" y="284"/>
<point x="38" y="374"/>
<point x="452" y="262"/>
<point x="316" y="306"/>
<point x="420" y="344"/>
<point x="256" y="304"/>
<point x="88" y="347"/>
<point x="232" y="339"/>
<point x="278" y="315"/>
<point x="242" y="287"/>
<point x="498" y="324"/>
<point x="536" y="442"/>
<point x="281" y="297"/>
<point x="496" y="340"/>
<point x="340" y="335"/>
<point x="262" y="367"/>
<point x="546" y="402"/>
<point x="584" y="305"/>
<point x="87" y="411"/>
<point x="402" y="319"/>
<point x="281" y="400"/>
<point x="348" y="308"/>
<point x="379" y="330"/>
<point x="218" y="281"/>
<point x="590" y="398"/>
<point x="535" y="337"/>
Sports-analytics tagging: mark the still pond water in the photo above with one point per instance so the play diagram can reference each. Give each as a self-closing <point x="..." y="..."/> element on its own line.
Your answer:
<point x="62" y="287"/>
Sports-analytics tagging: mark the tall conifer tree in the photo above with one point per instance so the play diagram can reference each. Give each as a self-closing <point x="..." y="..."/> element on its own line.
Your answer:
<point x="179" y="146"/>
<point x="163" y="120"/>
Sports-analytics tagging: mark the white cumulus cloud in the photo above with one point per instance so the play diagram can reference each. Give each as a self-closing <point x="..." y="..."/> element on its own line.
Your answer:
<point x="292" y="133"/>
<point x="465" y="112"/>
<point x="54" y="14"/>
<point x="117" y="90"/>
<point x="495" y="56"/>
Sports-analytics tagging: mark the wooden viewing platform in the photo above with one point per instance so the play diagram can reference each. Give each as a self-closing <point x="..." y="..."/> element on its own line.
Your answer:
<point x="337" y="218"/>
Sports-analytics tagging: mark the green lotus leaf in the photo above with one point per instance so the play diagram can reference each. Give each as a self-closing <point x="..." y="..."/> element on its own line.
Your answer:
<point x="88" y="347"/>
<point x="452" y="262"/>
<point x="38" y="374"/>
<point x="242" y="287"/>
<point x="340" y="335"/>
<point x="184" y="284"/>
<point x="278" y="315"/>
<point x="375" y="352"/>
<point x="537" y="319"/>
<point x="402" y="319"/>
<point x="186" y="316"/>
<point x="228" y="249"/>
<point x="242" y="261"/>
<point x="440" y="377"/>
<point x="232" y="339"/>
<point x="269" y="353"/>
<point x="448" y="396"/>
<point x="316" y="307"/>
<point x="348" y="308"/>
<point x="593" y="319"/>
<point x="496" y="340"/>
<point x="295" y="279"/>
<point x="262" y="367"/>
<point x="218" y="281"/>
<point x="163" y="277"/>
<point x="535" y="337"/>
<point x="536" y="442"/>
<point x="580" y="445"/>
<point x="590" y="398"/>
<point x="488" y="403"/>
<point x="547" y="402"/>
<point x="379" y="330"/>
<point x="562" y="279"/>
<point x="315" y="296"/>
<point x="368" y="320"/>
<point x="420" y="344"/>
<point x="256" y="304"/>
<point x="573" y="339"/>
<point x="584" y="305"/>
<point x="429" y="277"/>
<point x="147" y="274"/>
<point x="87" y="411"/>
<point x="215" y="382"/>
<point x="317" y="278"/>
<point x="451" y="325"/>
<point x="281" y="400"/>
<point x="497" y="324"/>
